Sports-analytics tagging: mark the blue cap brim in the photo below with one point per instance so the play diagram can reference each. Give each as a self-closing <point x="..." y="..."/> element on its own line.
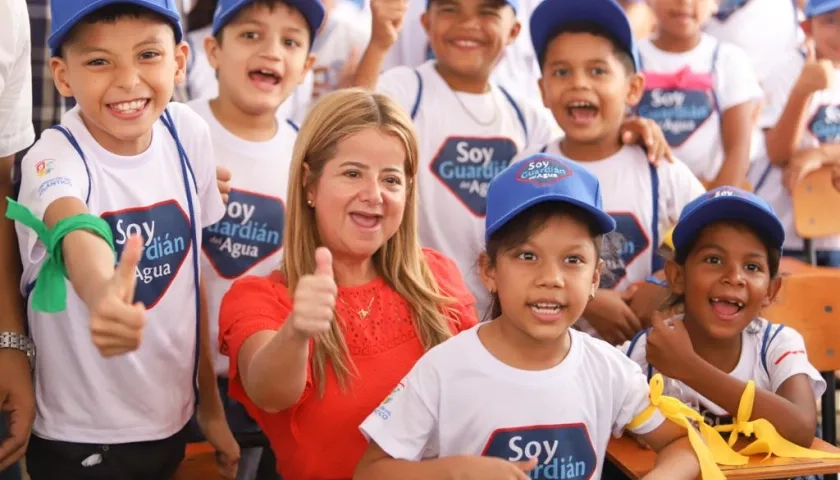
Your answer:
<point x="822" y="9"/>
<point x="550" y="15"/>
<point x="59" y="34"/>
<point x="312" y="10"/>
<point x="604" y="223"/>
<point x="726" y="208"/>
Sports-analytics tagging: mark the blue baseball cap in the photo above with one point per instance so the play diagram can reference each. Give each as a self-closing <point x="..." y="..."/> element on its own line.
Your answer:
<point x="551" y="15"/>
<point x="544" y="178"/>
<point x="514" y="4"/>
<point x="67" y="13"/>
<point x="312" y="10"/>
<point x="819" y="7"/>
<point x="726" y="204"/>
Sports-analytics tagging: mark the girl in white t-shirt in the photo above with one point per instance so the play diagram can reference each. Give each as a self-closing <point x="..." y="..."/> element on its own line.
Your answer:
<point x="725" y="270"/>
<point x="702" y="92"/>
<point x="543" y="232"/>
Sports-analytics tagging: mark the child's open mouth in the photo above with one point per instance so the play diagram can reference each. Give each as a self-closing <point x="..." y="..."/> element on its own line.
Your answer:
<point x="547" y="311"/>
<point x="582" y="112"/>
<point x="264" y="78"/>
<point x="725" y="308"/>
<point x="130" y="109"/>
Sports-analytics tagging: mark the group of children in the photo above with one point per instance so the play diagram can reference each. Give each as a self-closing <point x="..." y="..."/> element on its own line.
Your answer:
<point x="551" y="230"/>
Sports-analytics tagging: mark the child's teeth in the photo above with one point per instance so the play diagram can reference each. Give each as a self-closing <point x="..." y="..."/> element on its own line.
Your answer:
<point x="129" y="106"/>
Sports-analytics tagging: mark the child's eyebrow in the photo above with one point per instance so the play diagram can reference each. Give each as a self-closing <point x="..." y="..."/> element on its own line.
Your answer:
<point x="719" y="248"/>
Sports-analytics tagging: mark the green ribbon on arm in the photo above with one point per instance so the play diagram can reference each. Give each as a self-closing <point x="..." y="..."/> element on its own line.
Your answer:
<point x="50" y="293"/>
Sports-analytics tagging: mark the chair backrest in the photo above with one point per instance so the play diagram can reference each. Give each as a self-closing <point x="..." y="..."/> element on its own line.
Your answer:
<point x="810" y="304"/>
<point x="816" y="205"/>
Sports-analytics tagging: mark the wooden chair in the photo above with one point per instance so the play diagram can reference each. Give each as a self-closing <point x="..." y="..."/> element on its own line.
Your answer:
<point x="810" y="304"/>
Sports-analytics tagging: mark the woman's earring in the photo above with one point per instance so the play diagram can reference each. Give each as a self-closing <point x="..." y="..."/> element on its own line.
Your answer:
<point x="310" y="203"/>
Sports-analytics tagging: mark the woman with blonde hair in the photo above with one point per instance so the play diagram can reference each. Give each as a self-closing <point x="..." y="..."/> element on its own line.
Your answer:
<point x="309" y="374"/>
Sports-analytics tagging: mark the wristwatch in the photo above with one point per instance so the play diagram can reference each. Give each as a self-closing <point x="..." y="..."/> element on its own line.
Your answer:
<point x="20" y="342"/>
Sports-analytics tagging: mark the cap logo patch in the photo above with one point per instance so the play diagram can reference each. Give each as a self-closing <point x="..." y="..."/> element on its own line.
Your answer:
<point x="724" y="192"/>
<point x="542" y="171"/>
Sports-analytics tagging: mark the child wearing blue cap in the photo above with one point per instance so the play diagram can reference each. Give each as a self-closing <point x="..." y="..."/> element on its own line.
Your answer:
<point x="727" y="247"/>
<point x="702" y="92"/>
<point x="470" y="128"/>
<point x="801" y="121"/>
<point x="588" y="59"/>
<point x="261" y="50"/>
<point x="127" y="176"/>
<point x="550" y="396"/>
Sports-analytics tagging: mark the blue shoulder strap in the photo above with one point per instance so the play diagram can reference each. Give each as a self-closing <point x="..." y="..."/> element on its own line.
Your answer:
<point x="517" y="110"/>
<point x="632" y="346"/>
<point x="419" y="94"/>
<point x="766" y="339"/>
<point x="656" y="261"/>
<point x="70" y="138"/>
<point x="294" y="125"/>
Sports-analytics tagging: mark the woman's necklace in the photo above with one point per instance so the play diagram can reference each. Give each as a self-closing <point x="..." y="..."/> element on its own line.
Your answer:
<point x="362" y="312"/>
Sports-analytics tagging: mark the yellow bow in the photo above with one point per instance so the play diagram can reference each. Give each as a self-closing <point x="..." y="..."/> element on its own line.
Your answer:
<point x="711" y="449"/>
<point x="767" y="438"/>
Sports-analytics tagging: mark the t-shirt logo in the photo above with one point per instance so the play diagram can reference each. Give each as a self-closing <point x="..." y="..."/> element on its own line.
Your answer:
<point x="165" y="229"/>
<point x="543" y="171"/>
<point x="622" y="247"/>
<point x="563" y="452"/>
<point x="825" y="125"/>
<point x="726" y="8"/>
<point x="382" y="410"/>
<point x="44" y="167"/>
<point x="250" y="232"/>
<point x="679" y="103"/>
<point x="467" y="165"/>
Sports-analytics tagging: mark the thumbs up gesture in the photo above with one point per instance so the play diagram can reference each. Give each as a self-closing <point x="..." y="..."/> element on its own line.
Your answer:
<point x="116" y="322"/>
<point x="314" y="298"/>
<point x="817" y="74"/>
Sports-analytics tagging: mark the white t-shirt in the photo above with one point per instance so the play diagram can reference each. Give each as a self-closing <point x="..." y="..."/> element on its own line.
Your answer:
<point x="517" y="70"/>
<point x="461" y="400"/>
<point x="761" y="28"/>
<point x="146" y="394"/>
<point x="249" y="238"/>
<point x="687" y="93"/>
<point x="465" y="141"/>
<point x="203" y="84"/>
<point x="626" y="180"/>
<point x="770" y="354"/>
<point x="16" y="132"/>
<point x="822" y="126"/>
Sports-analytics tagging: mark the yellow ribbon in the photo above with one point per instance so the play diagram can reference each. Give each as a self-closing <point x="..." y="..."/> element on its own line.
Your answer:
<point x="711" y="449"/>
<point x="668" y="241"/>
<point x="767" y="439"/>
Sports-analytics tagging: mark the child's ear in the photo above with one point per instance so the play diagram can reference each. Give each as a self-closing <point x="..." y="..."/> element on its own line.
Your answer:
<point x="487" y="272"/>
<point x="675" y="273"/>
<point x="596" y="278"/>
<point x="59" y="73"/>
<point x="424" y="20"/>
<point x="540" y="84"/>
<point x="806" y="27"/>
<point x="636" y="88"/>
<point x="514" y="32"/>
<point x="772" y="291"/>
<point x="182" y="54"/>
<point x="211" y="46"/>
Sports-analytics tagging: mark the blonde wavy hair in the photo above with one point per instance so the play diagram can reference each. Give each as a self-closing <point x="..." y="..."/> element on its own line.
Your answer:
<point x="399" y="261"/>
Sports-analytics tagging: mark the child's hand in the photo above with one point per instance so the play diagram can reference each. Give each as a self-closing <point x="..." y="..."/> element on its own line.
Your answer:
<point x="646" y="300"/>
<point x="491" y="468"/>
<point x="802" y="163"/>
<point x="612" y="318"/>
<point x="116" y="322"/>
<point x="816" y="75"/>
<point x="314" y="300"/>
<point x="223" y="182"/>
<point x="214" y="426"/>
<point x="646" y="133"/>
<point x="669" y="348"/>
<point x="388" y="16"/>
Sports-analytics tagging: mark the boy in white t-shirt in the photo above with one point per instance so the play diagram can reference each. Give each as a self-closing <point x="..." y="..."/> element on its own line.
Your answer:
<point x="338" y="47"/>
<point x="470" y="127"/>
<point x="701" y="91"/>
<point x="126" y="174"/>
<point x="524" y="395"/>
<point x="590" y="79"/>
<point x="801" y="121"/>
<point x="260" y="51"/>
